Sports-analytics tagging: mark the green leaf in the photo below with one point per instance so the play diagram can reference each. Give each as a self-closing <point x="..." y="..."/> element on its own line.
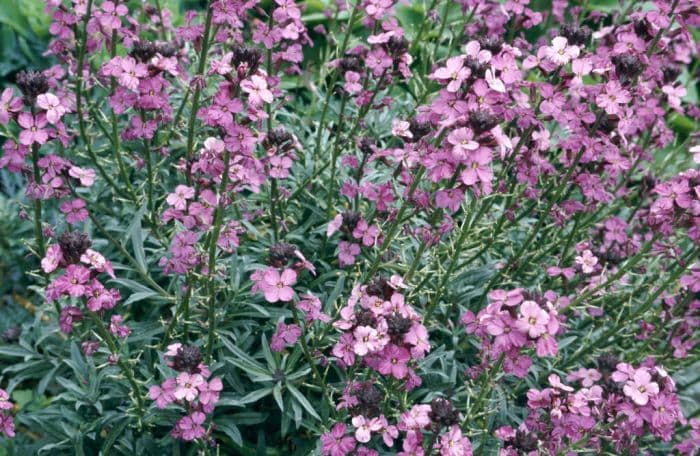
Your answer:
<point x="303" y="401"/>
<point x="136" y="234"/>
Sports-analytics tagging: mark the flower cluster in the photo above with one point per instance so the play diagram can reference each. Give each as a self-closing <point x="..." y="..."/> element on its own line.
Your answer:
<point x="632" y="402"/>
<point x="7" y="423"/>
<point x="514" y="321"/>
<point x="193" y="390"/>
<point x="382" y="330"/>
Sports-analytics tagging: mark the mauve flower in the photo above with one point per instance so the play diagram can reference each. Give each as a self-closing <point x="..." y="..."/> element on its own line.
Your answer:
<point x="179" y="198"/>
<point x="33" y="129"/>
<point x="286" y="335"/>
<point x="394" y="361"/>
<point x="336" y="442"/>
<point x="276" y="286"/>
<point x="86" y="176"/>
<point x="587" y="261"/>
<point x="52" y="105"/>
<point x="190" y="427"/>
<point x="462" y="140"/>
<point x="640" y="387"/>
<point x="533" y="319"/>
<point x="256" y="88"/>
<point x="52" y="259"/>
<point x="560" y="53"/>
<point x="454" y="72"/>
<point x="613" y="96"/>
<point x="366" y="340"/>
<point x="187" y="386"/>
<point x="365" y="427"/>
<point x="74" y="211"/>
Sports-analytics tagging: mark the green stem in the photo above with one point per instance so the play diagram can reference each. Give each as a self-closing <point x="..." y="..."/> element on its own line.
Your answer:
<point x="218" y="220"/>
<point x="198" y="87"/>
<point x="125" y="368"/>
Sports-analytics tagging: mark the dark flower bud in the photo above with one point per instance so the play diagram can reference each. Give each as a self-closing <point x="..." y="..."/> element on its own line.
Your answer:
<point x="397" y="46"/>
<point x="167" y="49"/>
<point x="366" y="146"/>
<point x="73" y="244"/>
<point x="380" y="287"/>
<point x="32" y="84"/>
<point x="477" y="68"/>
<point x="442" y="413"/>
<point x="279" y="139"/>
<point x="607" y="363"/>
<point x="397" y="327"/>
<point x="351" y="63"/>
<point x="144" y="50"/>
<point x="245" y="60"/>
<point x="481" y="121"/>
<point x="187" y="359"/>
<point x="365" y="318"/>
<point x="627" y="66"/>
<point x="493" y="44"/>
<point x="280" y="253"/>
<point x="369" y="398"/>
<point x="11" y="334"/>
<point x="575" y="34"/>
<point x="670" y="73"/>
<point x="418" y="129"/>
<point x="643" y="29"/>
<point x="350" y="220"/>
<point x="524" y="441"/>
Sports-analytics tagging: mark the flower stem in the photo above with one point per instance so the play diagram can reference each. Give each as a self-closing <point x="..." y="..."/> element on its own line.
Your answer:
<point x="213" y="240"/>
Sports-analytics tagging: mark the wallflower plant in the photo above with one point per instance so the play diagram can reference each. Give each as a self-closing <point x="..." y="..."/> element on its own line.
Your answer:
<point x="359" y="228"/>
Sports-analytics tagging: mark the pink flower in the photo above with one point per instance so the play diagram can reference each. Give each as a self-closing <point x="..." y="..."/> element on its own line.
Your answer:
<point x="130" y="73"/>
<point x="587" y="261"/>
<point x="276" y="286"/>
<point x="613" y="97"/>
<point x="209" y="392"/>
<point x="533" y="319"/>
<point x="347" y="254"/>
<point x="366" y="340"/>
<point x="394" y="361"/>
<point x="74" y="281"/>
<point x="286" y="335"/>
<point x="52" y="259"/>
<point x="279" y="167"/>
<point x="454" y="72"/>
<point x="401" y="128"/>
<point x="69" y="316"/>
<point x="365" y="427"/>
<point x="5" y="403"/>
<point x="190" y="427"/>
<point x="336" y="442"/>
<point x="352" y="82"/>
<point x="462" y="140"/>
<point x="110" y="19"/>
<point x="75" y="211"/>
<point x="52" y="105"/>
<point x="161" y="396"/>
<point x="97" y="261"/>
<point x="8" y="104"/>
<point x="33" y="129"/>
<point x="187" y="386"/>
<point x="560" y="53"/>
<point x="640" y="387"/>
<point x="179" y="198"/>
<point x="256" y="88"/>
<point x="85" y="176"/>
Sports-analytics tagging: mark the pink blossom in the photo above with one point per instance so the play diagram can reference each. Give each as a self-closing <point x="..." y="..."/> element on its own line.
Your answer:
<point x="190" y="427"/>
<point x="533" y="319"/>
<point x="587" y="261"/>
<point x="286" y="335"/>
<point x="365" y="427"/>
<point x="52" y="259"/>
<point x="276" y="286"/>
<point x="74" y="210"/>
<point x="52" y="105"/>
<point x="640" y="387"/>
<point x="560" y="53"/>
<point x="394" y="361"/>
<point x="613" y="96"/>
<point x="86" y="176"/>
<point x="366" y="340"/>
<point x="462" y="140"/>
<point x="256" y="88"/>
<point x="179" y="198"/>
<point x="336" y="442"/>
<point x="33" y="129"/>
<point x="187" y="386"/>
